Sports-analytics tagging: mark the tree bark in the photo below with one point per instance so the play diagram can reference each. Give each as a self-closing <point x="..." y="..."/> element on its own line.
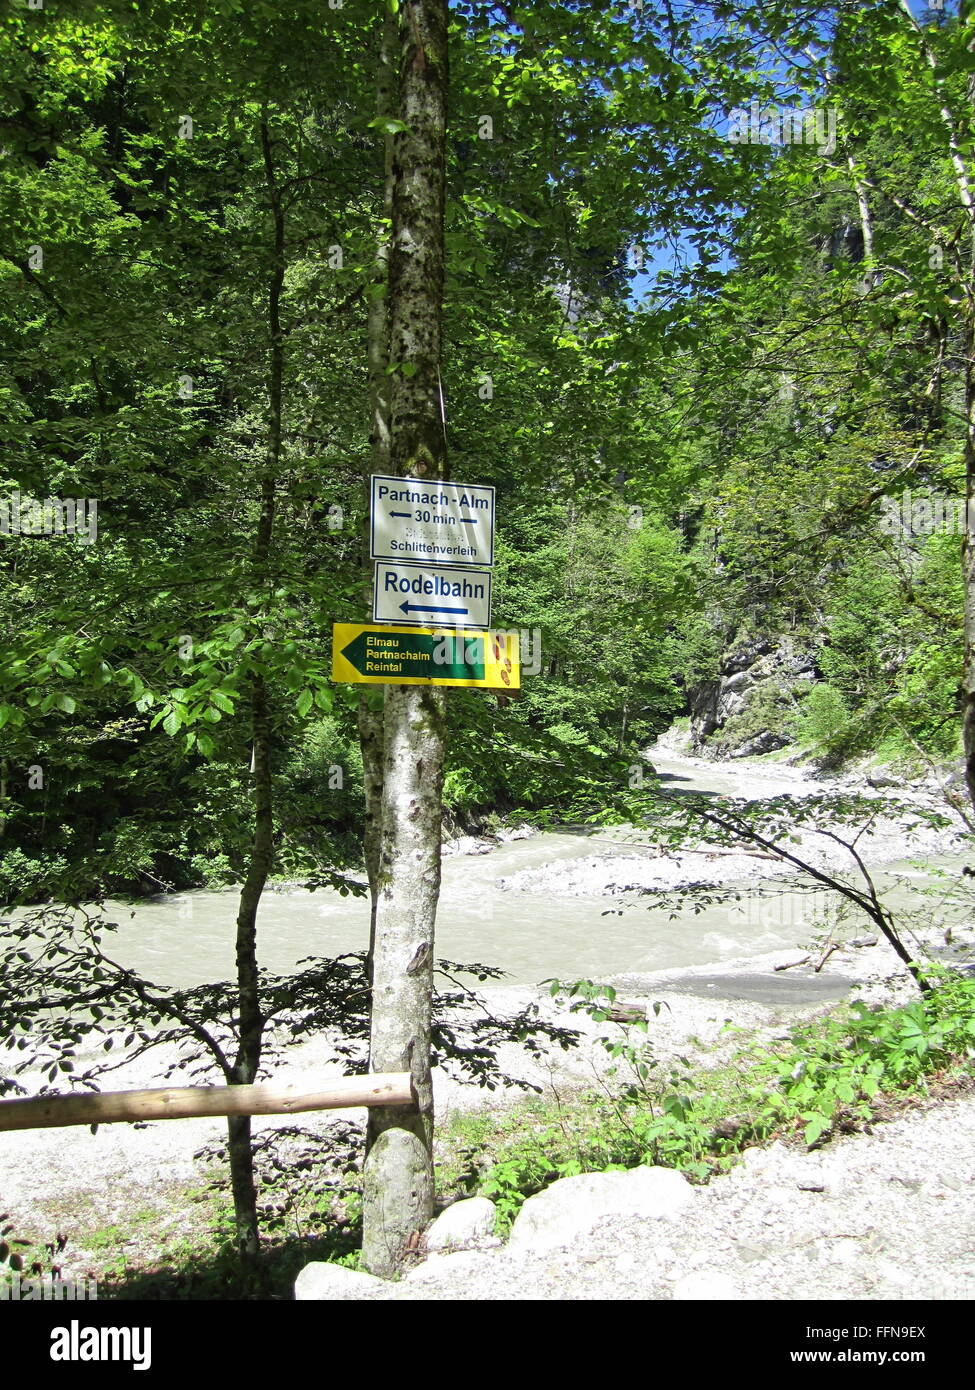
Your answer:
<point x="956" y="130"/>
<point x="866" y="227"/>
<point x="398" y="1174"/>
<point x="370" y="720"/>
<point x="250" y="1020"/>
<point x="968" y="559"/>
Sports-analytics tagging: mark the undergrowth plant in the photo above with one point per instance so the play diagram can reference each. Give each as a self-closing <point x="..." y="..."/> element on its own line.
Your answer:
<point x="829" y="1076"/>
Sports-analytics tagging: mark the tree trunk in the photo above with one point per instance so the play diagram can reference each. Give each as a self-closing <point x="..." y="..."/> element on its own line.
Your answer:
<point x="398" y="1175"/>
<point x="250" y="1020"/>
<point x="968" y="561"/>
<point x="866" y="228"/>
<point x="370" y="720"/>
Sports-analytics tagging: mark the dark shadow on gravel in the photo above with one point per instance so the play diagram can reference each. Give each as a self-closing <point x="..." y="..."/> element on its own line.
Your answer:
<point x="213" y="1275"/>
<point x="773" y="990"/>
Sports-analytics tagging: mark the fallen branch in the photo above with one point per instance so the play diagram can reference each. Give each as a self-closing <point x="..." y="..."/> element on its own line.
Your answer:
<point x="790" y="965"/>
<point x="834" y="946"/>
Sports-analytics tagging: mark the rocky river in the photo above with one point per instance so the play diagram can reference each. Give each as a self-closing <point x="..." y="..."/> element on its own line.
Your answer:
<point x="576" y="903"/>
<point x="571" y="903"/>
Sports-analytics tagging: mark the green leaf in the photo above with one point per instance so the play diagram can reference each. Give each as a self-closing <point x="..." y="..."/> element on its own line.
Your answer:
<point x="816" y="1126"/>
<point x="389" y="125"/>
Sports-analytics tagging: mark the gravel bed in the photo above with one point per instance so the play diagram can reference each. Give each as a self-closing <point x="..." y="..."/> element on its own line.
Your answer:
<point x="894" y="1217"/>
<point x="885" y="1215"/>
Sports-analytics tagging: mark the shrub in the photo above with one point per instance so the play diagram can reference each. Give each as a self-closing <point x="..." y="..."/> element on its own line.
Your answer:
<point x="830" y="1075"/>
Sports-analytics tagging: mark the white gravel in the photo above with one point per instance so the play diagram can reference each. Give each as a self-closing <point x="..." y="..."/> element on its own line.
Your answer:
<point x="887" y="1215"/>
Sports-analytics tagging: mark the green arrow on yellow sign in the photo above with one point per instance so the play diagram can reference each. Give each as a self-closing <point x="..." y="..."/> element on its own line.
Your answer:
<point x="364" y="654"/>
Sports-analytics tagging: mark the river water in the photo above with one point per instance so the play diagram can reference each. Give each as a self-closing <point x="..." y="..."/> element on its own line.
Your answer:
<point x="188" y="939"/>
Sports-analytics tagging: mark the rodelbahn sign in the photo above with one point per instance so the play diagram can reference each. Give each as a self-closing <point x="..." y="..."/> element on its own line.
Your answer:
<point x="425" y="594"/>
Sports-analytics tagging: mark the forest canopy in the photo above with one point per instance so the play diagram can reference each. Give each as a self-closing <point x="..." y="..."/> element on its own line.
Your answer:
<point x="708" y="291"/>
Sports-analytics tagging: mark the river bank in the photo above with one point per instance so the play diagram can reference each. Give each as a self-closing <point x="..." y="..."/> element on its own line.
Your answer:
<point x="739" y="976"/>
<point x="126" y="1196"/>
<point x="137" y="1201"/>
<point x="885" y="1215"/>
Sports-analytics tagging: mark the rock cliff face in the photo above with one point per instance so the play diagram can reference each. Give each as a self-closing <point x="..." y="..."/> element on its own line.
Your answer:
<point x="750" y="707"/>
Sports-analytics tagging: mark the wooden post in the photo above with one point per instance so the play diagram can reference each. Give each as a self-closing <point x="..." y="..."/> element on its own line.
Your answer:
<point x="190" y="1102"/>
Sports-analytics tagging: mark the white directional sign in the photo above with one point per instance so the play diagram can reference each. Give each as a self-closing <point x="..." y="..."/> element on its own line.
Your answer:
<point x="425" y="595"/>
<point x="432" y="522"/>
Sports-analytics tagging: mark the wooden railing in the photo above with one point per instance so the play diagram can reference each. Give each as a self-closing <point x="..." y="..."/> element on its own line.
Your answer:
<point x="190" y="1102"/>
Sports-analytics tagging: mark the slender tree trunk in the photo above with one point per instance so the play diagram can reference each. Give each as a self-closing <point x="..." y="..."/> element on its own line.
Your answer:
<point x="958" y="151"/>
<point x="250" y="1020"/>
<point x="866" y="228"/>
<point x="371" y="719"/>
<point x="968" y="559"/>
<point x="398" y="1175"/>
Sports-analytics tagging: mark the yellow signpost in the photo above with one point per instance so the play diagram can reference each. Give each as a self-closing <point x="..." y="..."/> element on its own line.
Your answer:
<point x="366" y="654"/>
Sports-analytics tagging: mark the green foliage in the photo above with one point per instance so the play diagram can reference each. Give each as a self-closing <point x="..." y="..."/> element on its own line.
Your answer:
<point x="834" y="1071"/>
<point x="825" y="720"/>
<point x="24" y="877"/>
<point x="657" y="493"/>
<point x="833" y="1074"/>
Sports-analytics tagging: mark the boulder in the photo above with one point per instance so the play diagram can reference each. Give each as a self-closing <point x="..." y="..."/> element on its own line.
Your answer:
<point x="786" y="660"/>
<point x="745" y="653"/>
<point x="520" y="832"/>
<point x="731" y="703"/>
<point x="467" y="844"/>
<point x="571" y="1207"/>
<point x="765" y="742"/>
<point x="462" y="1224"/>
<point x="324" y="1282"/>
